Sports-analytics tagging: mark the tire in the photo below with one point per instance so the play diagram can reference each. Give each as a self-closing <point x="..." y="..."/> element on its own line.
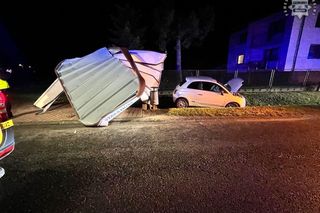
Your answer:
<point x="232" y="104"/>
<point x="182" y="103"/>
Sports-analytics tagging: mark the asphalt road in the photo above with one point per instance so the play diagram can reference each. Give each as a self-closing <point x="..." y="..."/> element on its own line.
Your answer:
<point x="201" y="165"/>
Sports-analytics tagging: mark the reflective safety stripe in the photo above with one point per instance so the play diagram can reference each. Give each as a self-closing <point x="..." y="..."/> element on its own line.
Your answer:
<point x="4" y="125"/>
<point x="1" y="137"/>
<point x="7" y="124"/>
<point x="6" y="151"/>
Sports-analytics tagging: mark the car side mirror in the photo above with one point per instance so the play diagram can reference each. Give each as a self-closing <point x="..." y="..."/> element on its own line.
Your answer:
<point x="222" y="93"/>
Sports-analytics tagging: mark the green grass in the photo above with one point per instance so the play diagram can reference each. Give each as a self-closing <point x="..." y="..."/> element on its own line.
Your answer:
<point x="282" y="98"/>
<point x="266" y="104"/>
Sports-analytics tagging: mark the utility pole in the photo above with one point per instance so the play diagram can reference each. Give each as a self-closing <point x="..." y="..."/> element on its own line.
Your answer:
<point x="178" y="59"/>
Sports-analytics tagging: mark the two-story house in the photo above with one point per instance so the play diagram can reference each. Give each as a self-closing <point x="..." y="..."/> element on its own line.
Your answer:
<point x="285" y="43"/>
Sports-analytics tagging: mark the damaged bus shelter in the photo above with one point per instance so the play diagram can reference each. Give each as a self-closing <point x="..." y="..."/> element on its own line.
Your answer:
<point x="101" y="85"/>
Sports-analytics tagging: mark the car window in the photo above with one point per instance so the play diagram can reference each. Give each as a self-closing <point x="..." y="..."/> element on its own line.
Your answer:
<point x="207" y="86"/>
<point x="216" y="88"/>
<point x="195" y="85"/>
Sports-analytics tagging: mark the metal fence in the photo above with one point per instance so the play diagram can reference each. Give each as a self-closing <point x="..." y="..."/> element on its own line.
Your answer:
<point x="256" y="78"/>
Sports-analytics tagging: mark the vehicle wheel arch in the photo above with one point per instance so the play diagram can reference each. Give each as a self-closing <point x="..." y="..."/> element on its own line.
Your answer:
<point x="232" y="104"/>
<point x="182" y="98"/>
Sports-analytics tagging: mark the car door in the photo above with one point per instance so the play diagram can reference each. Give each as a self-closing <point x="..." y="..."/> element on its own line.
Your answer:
<point x="213" y="94"/>
<point x="194" y="93"/>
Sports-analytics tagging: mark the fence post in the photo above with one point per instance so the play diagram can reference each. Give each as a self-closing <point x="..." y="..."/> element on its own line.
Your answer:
<point x="306" y="78"/>
<point x="249" y="76"/>
<point x="271" y="78"/>
<point x="236" y="73"/>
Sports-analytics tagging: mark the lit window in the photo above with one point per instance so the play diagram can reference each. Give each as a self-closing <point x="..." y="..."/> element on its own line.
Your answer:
<point x="314" y="51"/>
<point x="240" y="59"/>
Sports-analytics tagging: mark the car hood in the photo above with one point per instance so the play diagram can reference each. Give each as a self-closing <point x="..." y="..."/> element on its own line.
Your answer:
<point x="235" y="84"/>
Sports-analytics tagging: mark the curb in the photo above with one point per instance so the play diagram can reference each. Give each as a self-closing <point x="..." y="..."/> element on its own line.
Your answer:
<point x="68" y="122"/>
<point x="30" y="123"/>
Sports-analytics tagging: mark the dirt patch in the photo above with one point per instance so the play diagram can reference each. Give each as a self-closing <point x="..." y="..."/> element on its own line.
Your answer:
<point x="265" y="111"/>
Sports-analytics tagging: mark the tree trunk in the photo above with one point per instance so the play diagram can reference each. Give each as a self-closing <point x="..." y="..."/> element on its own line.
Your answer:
<point x="178" y="59"/>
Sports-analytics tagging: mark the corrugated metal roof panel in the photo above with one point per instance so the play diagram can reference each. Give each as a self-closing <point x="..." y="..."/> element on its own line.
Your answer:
<point x="149" y="63"/>
<point x="96" y="84"/>
<point x="50" y="95"/>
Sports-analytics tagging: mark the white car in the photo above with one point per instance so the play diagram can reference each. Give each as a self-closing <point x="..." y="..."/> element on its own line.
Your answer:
<point x="207" y="92"/>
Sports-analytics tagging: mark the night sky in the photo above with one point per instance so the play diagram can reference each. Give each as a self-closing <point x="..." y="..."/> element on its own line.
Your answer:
<point x="45" y="34"/>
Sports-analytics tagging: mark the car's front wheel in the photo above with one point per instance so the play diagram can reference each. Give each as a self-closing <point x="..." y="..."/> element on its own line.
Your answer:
<point x="232" y="105"/>
<point x="182" y="103"/>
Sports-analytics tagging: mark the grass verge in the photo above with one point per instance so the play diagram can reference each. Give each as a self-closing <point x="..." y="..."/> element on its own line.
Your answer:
<point x="267" y="111"/>
<point x="282" y="98"/>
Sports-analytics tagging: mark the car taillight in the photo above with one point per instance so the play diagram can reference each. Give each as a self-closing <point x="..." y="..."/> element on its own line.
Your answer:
<point x="3" y="106"/>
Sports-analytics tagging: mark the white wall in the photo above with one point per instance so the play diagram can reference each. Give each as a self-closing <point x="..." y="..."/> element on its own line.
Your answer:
<point x="310" y="35"/>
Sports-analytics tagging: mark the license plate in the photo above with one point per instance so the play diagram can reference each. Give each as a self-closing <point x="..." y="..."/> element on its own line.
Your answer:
<point x="7" y="124"/>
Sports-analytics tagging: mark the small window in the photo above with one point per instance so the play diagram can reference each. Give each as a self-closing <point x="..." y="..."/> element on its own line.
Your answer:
<point x="314" y="51"/>
<point x="240" y="59"/>
<point x="318" y="21"/>
<point x="195" y="85"/>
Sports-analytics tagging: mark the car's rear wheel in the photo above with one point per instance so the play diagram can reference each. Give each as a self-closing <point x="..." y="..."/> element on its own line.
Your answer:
<point x="233" y="104"/>
<point x="182" y="103"/>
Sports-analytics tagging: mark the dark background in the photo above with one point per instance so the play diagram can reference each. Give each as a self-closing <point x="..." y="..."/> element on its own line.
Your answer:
<point x="44" y="34"/>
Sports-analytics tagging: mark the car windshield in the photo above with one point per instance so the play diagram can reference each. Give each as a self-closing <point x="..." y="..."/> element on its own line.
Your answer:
<point x="227" y="86"/>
